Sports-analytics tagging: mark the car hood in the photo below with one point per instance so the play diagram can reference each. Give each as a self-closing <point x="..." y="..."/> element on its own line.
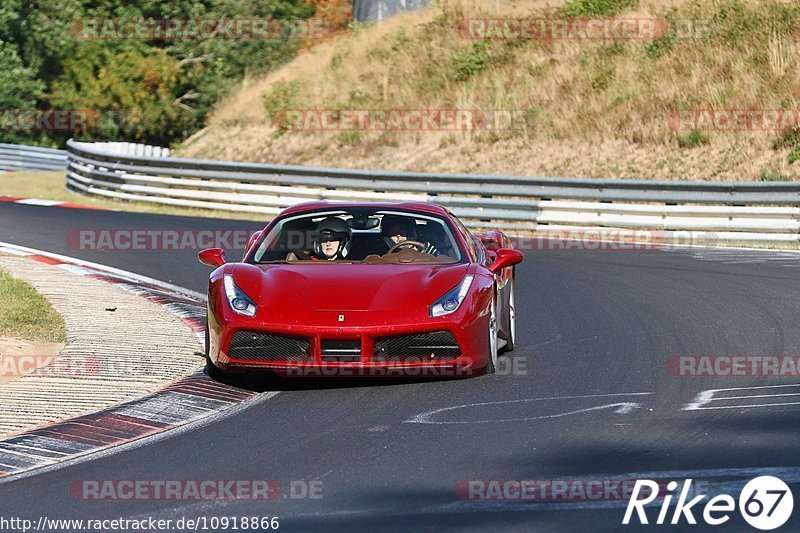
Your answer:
<point x="302" y="291"/>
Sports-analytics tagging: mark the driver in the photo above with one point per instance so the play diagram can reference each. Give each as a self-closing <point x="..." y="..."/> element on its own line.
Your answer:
<point x="332" y="240"/>
<point x="396" y="229"/>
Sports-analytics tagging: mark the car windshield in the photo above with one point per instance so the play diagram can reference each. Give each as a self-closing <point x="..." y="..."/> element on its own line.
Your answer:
<point x="362" y="236"/>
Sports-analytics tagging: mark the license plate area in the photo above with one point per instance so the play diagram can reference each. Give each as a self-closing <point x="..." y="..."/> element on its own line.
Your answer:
<point x="341" y="351"/>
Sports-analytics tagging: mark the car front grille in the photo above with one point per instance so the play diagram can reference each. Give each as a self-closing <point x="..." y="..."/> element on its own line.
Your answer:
<point x="341" y="351"/>
<point x="258" y="346"/>
<point x="423" y="347"/>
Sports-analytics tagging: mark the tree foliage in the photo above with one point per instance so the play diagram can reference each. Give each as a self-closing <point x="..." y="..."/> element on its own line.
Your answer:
<point x="154" y="90"/>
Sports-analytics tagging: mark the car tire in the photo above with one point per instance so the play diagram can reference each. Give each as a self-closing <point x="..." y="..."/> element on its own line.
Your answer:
<point x="491" y="334"/>
<point x="512" y="317"/>
<point x="213" y="371"/>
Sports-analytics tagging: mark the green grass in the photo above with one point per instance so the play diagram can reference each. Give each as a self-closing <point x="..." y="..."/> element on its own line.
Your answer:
<point x="788" y="138"/>
<point x="659" y="47"/>
<point x="26" y="314"/>
<point x="768" y="175"/>
<point x="794" y="155"/>
<point x="597" y="8"/>
<point x="471" y="63"/>
<point x="693" y="139"/>
<point x="281" y="98"/>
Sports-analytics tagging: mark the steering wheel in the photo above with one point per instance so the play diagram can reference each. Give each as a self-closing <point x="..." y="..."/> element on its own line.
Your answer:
<point x="420" y="247"/>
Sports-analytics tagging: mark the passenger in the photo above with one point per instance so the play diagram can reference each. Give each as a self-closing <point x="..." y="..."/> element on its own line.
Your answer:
<point x="332" y="240"/>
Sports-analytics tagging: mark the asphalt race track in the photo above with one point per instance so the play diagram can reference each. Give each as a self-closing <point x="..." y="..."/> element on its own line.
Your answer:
<point x="586" y="395"/>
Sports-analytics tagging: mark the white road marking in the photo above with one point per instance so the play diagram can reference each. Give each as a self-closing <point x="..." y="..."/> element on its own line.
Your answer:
<point x="760" y="396"/>
<point x="746" y="406"/>
<point x="706" y="397"/>
<point x="13" y="251"/>
<point x="557" y="337"/>
<point x="38" y="201"/>
<point x="621" y="408"/>
<point x="736" y="256"/>
<point x="74" y="269"/>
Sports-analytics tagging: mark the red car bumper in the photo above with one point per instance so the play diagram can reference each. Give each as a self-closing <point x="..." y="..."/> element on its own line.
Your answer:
<point x="454" y="346"/>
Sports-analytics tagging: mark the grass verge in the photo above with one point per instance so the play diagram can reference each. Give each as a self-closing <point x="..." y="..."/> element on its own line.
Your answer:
<point x="26" y="314"/>
<point x="583" y="107"/>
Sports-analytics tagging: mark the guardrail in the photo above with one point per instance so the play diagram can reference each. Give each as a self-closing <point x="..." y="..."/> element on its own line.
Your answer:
<point x="765" y="212"/>
<point x="16" y="156"/>
<point x="378" y="10"/>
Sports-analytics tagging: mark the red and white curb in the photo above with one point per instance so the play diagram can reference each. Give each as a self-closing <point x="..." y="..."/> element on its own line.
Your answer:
<point x="186" y="400"/>
<point x="46" y="203"/>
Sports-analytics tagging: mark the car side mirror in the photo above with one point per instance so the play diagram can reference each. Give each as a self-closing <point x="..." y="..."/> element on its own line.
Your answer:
<point x="214" y="257"/>
<point x="506" y="257"/>
<point x="490" y="244"/>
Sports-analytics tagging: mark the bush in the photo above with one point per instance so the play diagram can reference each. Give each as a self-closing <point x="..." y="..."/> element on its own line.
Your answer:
<point x="468" y="65"/>
<point x="282" y="97"/>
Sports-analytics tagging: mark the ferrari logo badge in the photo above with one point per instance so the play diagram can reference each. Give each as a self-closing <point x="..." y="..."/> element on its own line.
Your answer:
<point x="341" y="318"/>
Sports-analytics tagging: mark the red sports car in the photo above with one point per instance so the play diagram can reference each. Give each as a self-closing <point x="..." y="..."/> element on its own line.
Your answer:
<point x="362" y="289"/>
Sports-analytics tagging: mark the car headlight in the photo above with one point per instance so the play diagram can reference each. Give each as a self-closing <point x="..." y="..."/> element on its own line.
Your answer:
<point x="450" y="302"/>
<point x="238" y="301"/>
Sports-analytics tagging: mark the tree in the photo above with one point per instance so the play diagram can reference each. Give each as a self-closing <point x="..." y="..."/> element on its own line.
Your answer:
<point x="157" y="91"/>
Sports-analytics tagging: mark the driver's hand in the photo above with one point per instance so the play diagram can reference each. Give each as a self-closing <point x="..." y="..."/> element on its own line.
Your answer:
<point x="430" y="249"/>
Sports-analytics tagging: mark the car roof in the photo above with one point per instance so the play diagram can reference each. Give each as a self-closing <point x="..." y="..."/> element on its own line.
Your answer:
<point x="421" y="207"/>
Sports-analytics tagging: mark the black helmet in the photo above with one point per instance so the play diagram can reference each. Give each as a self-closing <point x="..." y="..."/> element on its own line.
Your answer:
<point x="390" y="221"/>
<point x="333" y="229"/>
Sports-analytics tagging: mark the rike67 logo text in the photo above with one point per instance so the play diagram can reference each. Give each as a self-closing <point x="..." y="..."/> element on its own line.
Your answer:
<point x="765" y="503"/>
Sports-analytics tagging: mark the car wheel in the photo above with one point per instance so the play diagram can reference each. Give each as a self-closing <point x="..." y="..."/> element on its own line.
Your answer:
<point x="213" y="371"/>
<point x="512" y="317"/>
<point x="491" y="363"/>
